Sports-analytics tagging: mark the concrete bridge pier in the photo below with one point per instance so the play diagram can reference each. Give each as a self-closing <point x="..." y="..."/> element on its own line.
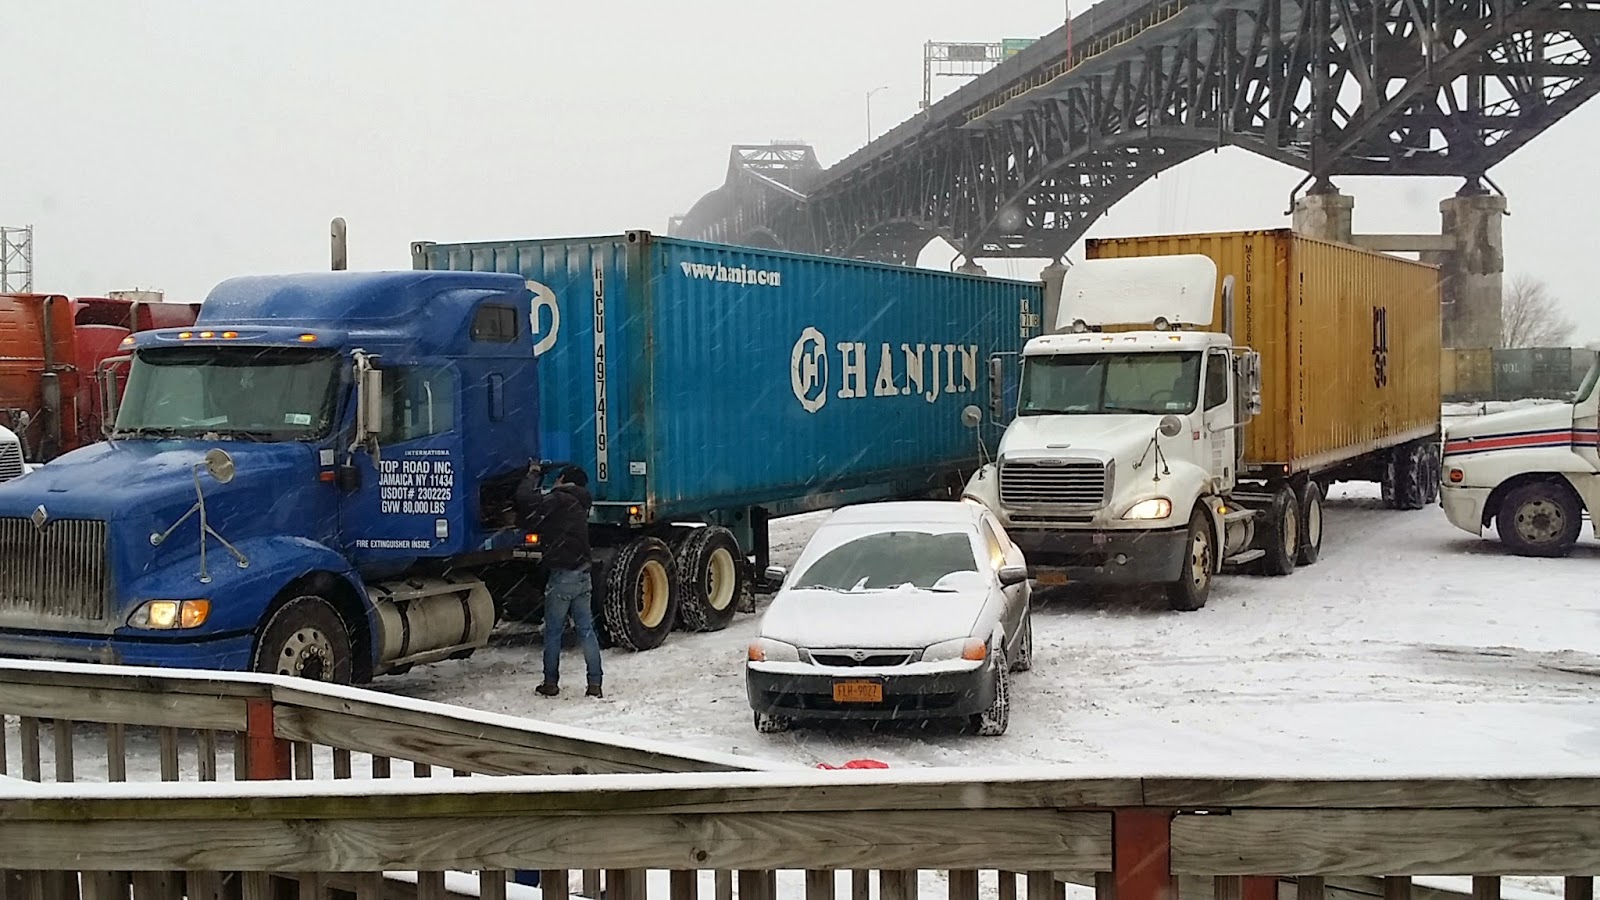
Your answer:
<point x="1469" y="251"/>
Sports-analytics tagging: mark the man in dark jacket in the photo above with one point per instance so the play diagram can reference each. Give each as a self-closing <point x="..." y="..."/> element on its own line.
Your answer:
<point x="561" y="519"/>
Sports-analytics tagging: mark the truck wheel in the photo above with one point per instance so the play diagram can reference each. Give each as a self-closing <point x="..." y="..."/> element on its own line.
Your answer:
<point x="305" y="638"/>
<point x="641" y="602"/>
<point x="992" y="722"/>
<point x="1405" y="473"/>
<point x="1432" y="472"/>
<point x="1281" y="538"/>
<point x="1310" y="499"/>
<point x="710" y="579"/>
<point x="1191" y="592"/>
<point x="1540" y="518"/>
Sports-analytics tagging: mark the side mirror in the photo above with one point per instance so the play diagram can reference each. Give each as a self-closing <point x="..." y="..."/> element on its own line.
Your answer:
<point x="369" y="399"/>
<point x="1171" y="426"/>
<point x="997" y="392"/>
<point x="776" y="574"/>
<point x="972" y="417"/>
<point x="1013" y="575"/>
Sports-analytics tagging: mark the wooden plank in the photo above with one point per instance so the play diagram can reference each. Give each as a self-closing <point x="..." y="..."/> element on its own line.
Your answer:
<point x="1397" y="888"/>
<point x="62" y="885"/>
<point x="629" y="884"/>
<point x="1485" y="887"/>
<point x="860" y="884"/>
<point x="206" y="753"/>
<point x="1463" y="793"/>
<point x="591" y="884"/>
<point x="106" y="886"/>
<point x="555" y="884"/>
<point x="682" y="884"/>
<point x="369" y="886"/>
<point x="1579" y="887"/>
<point x="1143" y="856"/>
<point x="5" y="762"/>
<point x="244" y="840"/>
<point x="962" y="883"/>
<point x="1258" y="888"/>
<point x="62" y="736"/>
<point x="492" y="885"/>
<point x="355" y="716"/>
<point x="1526" y="841"/>
<point x="421" y="770"/>
<point x="201" y="885"/>
<point x="169" y="754"/>
<point x="1041" y="885"/>
<point x="430" y="886"/>
<point x="1105" y="886"/>
<point x="241" y="756"/>
<point x="753" y="885"/>
<point x="28" y="735"/>
<point x="1006" y="885"/>
<point x="1227" y="887"/>
<point x="157" y="886"/>
<point x="1310" y="887"/>
<point x="310" y="884"/>
<point x="722" y="882"/>
<point x="341" y="763"/>
<point x="304" y="763"/>
<point x="381" y="767"/>
<point x="894" y="884"/>
<point x="129" y="707"/>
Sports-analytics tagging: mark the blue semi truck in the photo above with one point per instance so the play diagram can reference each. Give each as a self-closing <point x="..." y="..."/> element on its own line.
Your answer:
<point x="316" y="479"/>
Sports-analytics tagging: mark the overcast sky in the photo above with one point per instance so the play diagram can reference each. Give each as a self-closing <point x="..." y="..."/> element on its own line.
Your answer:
<point x="171" y="143"/>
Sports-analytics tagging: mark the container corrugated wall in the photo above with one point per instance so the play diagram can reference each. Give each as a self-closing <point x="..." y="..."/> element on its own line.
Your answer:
<point x="1466" y="374"/>
<point x="736" y="377"/>
<point x="1349" y="340"/>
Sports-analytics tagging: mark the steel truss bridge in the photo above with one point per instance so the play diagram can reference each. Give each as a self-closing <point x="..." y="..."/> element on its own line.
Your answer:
<point x="1023" y="159"/>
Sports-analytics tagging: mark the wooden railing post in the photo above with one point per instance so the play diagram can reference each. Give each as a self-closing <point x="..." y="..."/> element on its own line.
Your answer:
<point x="1141" y="854"/>
<point x="267" y="756"/>
<point x="1258" y="887"/>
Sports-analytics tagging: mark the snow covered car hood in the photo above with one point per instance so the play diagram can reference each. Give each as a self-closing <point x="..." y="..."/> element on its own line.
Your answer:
<point x="902" y="618"/>
<point x="1534" y="418"/>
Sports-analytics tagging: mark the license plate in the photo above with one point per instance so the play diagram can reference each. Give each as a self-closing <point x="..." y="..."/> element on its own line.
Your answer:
<point x="857" y="692"/>
<point x="1048" y="577"/>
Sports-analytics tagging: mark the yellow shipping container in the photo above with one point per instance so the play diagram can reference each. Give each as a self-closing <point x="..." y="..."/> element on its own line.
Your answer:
<point x="1349" y="341"/>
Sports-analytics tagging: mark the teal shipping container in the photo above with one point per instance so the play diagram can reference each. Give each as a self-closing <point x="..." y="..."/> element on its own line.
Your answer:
<point x="698" y="381"/>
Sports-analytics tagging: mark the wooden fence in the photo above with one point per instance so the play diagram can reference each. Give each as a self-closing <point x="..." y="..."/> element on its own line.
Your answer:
<point x="686" y="827"/>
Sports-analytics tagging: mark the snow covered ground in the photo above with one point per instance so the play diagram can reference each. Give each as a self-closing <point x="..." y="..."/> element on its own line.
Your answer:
<point x="1410" y="647"/>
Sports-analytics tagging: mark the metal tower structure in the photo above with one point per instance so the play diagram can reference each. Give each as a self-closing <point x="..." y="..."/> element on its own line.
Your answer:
<point x="16" y="260"/>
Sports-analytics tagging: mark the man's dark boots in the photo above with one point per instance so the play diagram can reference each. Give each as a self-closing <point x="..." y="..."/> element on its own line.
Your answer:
<point x="547" y="690"/>
<point x="594" y="691"/>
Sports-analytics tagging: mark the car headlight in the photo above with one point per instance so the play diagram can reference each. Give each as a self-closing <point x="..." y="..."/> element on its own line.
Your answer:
<point x="165" y="615"/>
<point x="1154" y="508"/>
<point x="768" y="650"/>
<point x="969" y="648"/>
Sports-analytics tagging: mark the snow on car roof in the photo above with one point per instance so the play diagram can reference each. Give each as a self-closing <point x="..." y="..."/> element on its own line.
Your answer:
<point x="918" y="512"/>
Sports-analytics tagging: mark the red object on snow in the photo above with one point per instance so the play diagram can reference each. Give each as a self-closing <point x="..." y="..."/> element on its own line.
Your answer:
<point x="856" y="764"/>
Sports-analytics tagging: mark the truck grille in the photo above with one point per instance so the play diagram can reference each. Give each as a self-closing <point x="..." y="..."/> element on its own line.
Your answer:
<point x="10" y="461"/>
<point x="59" y="573"/>
<point x="1080" y="484"/>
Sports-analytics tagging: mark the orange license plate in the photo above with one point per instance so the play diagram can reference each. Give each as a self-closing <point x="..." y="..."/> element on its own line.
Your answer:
<point x="857" y="692"/>
<point x="1048" y="577"/>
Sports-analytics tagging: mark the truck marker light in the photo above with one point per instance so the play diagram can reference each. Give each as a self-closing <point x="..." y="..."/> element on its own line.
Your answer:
<point x="208" y="334"/>
<point x="327" y="475"/>
<point x="185" y="335"/>
<point x="230" y="335"/>
<point x="1457" y="476"/>
<point x="308" y="339"/>
<point x="532" y="540"/>
<point x="127" y="341"/>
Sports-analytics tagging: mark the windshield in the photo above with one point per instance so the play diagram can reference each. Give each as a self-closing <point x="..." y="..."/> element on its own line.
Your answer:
<point x="890" y="559"/>
<point x="1109" y="383"/>
<point x="1587" y="387"/>
<point x="276" y="394"/>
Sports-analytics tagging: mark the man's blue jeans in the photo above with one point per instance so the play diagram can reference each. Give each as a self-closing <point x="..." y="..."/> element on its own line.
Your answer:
<point x="568" y="594"/>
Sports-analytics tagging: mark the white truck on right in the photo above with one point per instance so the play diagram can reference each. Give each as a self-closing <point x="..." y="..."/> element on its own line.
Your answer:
<point x="11" y="460"/>
<point x="1531" y="473"/>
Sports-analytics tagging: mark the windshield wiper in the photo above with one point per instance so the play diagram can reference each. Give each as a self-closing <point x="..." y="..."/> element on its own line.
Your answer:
<point x="1054" y="412"/>
<point x="256" y="435"/>
<point x="147" y="431"/>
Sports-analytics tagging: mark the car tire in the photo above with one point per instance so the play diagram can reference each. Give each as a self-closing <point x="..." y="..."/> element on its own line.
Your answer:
<point x="1310" y="500"/>
<point x="766" y="724"/>
<point x="1024" y="658"/>
<point x="306" y="638"/>
<point x="711" y="579"/>
<point x="641" y="595"/>
<point x="992" y="722"/>
<point x="1541" y="518"/>
<point x="1191" y="592"/>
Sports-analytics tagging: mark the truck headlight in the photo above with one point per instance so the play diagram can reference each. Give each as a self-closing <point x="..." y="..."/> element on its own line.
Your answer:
<point x="166" y="615"/>
<point x="768" y="650"/>
<point x="1154" y="508"/>
<point x="969" y="648"/>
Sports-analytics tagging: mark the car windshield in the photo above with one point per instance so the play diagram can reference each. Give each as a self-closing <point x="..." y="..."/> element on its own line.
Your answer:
<point x="890" y="559"/>
<point x="1080" y="384"/>
<point x="269" y="394"/>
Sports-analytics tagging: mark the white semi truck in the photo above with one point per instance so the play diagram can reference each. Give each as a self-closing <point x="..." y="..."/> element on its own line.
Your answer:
<point x="11" y="461"/>
<point x="1532" y="473"/>
<point x="1151" y="447"/>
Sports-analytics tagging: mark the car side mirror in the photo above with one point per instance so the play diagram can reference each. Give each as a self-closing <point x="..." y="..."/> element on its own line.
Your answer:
<point x="1013" y="575"/>
<point x="776" y="574"/>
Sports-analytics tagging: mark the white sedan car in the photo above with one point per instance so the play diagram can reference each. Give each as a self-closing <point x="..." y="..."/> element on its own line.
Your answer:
<point x="915" y="610"/>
